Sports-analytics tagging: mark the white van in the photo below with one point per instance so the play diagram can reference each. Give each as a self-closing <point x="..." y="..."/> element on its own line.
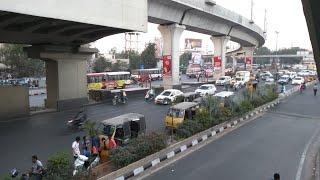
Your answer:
<point x="244" y="75"/>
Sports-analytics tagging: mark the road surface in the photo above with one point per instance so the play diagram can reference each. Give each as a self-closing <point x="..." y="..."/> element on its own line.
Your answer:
<point x="269" y="144"/>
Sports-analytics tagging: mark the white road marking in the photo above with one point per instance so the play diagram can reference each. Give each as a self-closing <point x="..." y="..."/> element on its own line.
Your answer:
<point x="303" y="156"/>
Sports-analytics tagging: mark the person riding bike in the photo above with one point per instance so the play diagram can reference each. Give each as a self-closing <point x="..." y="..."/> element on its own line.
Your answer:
<point x="123" y="96"/>
<point x="150" y="94"/>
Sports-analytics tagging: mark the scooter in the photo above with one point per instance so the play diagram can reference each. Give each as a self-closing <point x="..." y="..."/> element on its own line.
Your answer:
<point x="117" y="99"/>
<point x="149" y="97"/>
<point x="77" y="122"/>
<point x="83" y="163"/>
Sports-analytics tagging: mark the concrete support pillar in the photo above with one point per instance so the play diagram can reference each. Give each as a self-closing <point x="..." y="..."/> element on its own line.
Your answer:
<point x="171" y="35"/>
<point x="66" y="70"/>
<point x="234" y="63"/>
<point x="220" y="49"/>
<point x="248" y="53"/>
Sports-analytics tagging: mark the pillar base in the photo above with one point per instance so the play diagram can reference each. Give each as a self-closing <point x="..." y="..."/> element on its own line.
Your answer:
<point x="71" y="103"/>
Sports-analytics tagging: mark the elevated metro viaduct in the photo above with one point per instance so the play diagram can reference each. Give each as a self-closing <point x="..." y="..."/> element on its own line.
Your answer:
<point x="57" y="31"/>
<point x="311" y="11"/>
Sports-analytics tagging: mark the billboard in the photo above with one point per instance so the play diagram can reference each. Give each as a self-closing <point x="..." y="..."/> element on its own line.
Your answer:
<point x="166" y="59"/>
<point x="217" y="61"/>
<point x="248" y="60"/>
<point x="192" y="44"/>
<point x="196" y="58"/>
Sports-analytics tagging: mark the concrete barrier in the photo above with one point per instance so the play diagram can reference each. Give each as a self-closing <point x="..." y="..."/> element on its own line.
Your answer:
<point x="14" y="102"/>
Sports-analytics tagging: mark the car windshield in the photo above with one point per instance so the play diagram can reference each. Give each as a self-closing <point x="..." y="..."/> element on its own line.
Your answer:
<point x="222" y="78"/>
<point x="204" y="87"/>
<point x="176" y="113"/>
<point x="298" y="79"/>
<point x="238" y="79"/>
<point x="166" y="93"/>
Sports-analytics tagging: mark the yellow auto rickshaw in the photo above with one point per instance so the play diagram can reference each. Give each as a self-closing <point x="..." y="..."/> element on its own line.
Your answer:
<point x="179" y="112"/>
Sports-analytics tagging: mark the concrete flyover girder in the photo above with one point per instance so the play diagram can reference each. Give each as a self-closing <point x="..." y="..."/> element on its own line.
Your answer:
<point x="211" y="20"/>
<point x="312" y="14"/>
<point x="53" y="22"/>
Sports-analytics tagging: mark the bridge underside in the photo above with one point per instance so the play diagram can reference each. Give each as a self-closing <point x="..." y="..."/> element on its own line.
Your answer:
<point x="27" y="29"/>
<point x="312" y="14"/>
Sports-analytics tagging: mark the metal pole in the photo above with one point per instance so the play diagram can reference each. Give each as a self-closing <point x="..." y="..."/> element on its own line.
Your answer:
<point x="251" y="10"/>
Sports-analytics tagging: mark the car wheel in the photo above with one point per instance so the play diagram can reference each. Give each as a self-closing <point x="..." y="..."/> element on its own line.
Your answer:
<point x="166" y="101"/>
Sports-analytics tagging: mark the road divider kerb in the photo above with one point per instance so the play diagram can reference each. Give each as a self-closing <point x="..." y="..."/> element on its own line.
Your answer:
<point x="142" y="165"/>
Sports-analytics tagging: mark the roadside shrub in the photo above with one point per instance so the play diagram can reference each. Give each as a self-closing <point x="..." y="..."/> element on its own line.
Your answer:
<point x="138" y="148"/>
<point x="203" y="117"/>
<point x="226" y="113"/>
<point x="189" y="128"/>
<point x="59" y="167"/>
<point x="245" y="106"/>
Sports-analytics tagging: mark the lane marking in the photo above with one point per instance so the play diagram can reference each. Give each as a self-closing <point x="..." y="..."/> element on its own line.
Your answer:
<point x="304" y="154"/>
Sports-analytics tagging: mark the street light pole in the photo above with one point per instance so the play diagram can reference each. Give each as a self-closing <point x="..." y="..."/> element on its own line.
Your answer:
<point x="277" y="33"/>
<point x="251" y="20"/>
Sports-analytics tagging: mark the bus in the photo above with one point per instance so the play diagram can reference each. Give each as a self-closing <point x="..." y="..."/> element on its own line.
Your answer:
<point x="108" y="80"/>
<point x="139" y="74"/>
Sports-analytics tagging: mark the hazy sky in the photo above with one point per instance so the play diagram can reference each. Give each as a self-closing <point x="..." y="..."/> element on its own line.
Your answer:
<point x="285" y="16"/>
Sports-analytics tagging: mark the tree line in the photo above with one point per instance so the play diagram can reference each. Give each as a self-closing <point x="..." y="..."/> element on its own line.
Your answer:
<point x="147" y="59"/>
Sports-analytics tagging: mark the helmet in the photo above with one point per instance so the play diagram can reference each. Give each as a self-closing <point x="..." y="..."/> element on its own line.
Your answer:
<point x="14" y="172"/>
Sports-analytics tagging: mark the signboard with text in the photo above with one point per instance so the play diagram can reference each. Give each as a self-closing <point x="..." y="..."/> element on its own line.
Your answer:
<point x="166" y="59"/>
<point x="248" y="60"/>
<point x="217" y="61"/>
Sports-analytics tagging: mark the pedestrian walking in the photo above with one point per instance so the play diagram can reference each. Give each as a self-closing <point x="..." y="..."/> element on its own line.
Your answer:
<point x="315" y="89"/>
<point x="76" y="147"/>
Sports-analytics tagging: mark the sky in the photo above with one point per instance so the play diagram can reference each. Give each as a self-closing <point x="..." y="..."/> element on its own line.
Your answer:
<point x="284" y="16"/>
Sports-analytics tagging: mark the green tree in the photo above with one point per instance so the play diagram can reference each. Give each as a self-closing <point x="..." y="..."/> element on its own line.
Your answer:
<point x="148" y="58"/>
<point x="14" y="57"/>
<point x="185" y="58"/>
<point x="134" y="59"/>
<point x="119" y="66"/>
<point x="101" y="64"/>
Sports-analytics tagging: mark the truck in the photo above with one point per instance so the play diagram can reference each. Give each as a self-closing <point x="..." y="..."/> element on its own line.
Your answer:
<point x="244" y="76"/>
<point x="193" y="70"/>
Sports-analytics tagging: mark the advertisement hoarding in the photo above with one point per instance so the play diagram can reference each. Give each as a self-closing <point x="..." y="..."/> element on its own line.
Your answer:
<point x="196" y="58"/>
<point x="192" y="44"/>
<point x="166" y="59"/>
<point x="248" y="60"/>
<point x="217" y="61"/>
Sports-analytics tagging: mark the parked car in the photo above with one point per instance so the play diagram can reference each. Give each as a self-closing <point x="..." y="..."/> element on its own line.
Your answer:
<point x="297" y="81"/>
<point x="223" y="80"/>
<point x="304" y="73"/>
<point x="264" y="75"/>
<point x="269" y="79"/>
<point x="292" y="75"/>
<point x="206" y="89"/>
<point x="284" y="79"/>
<point x="168" y="96"/>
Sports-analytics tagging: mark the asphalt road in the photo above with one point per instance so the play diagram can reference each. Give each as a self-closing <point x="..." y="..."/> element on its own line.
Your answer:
<point x="45" y="134"/>
<point x="269" y="144"/>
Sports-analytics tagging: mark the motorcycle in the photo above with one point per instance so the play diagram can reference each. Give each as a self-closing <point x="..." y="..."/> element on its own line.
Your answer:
<point x="149" y="96"/>
<point x="83" y="163"/>
<point x="77" y="122"/>
<point x="117" y="99"/>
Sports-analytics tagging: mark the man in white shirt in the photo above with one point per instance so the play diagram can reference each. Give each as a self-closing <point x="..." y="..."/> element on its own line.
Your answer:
<point x="76" y="148"/>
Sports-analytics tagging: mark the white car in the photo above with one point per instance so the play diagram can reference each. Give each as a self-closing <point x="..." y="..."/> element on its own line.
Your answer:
<point x="269" y="79"/>
<point x="304" y="73"/>
<point x="206" y="89"/>
<point x="168" y="96"/>
<point x="284" y="79"/>
<point x="223" y="80"/>
<point x="297" y="81"/>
